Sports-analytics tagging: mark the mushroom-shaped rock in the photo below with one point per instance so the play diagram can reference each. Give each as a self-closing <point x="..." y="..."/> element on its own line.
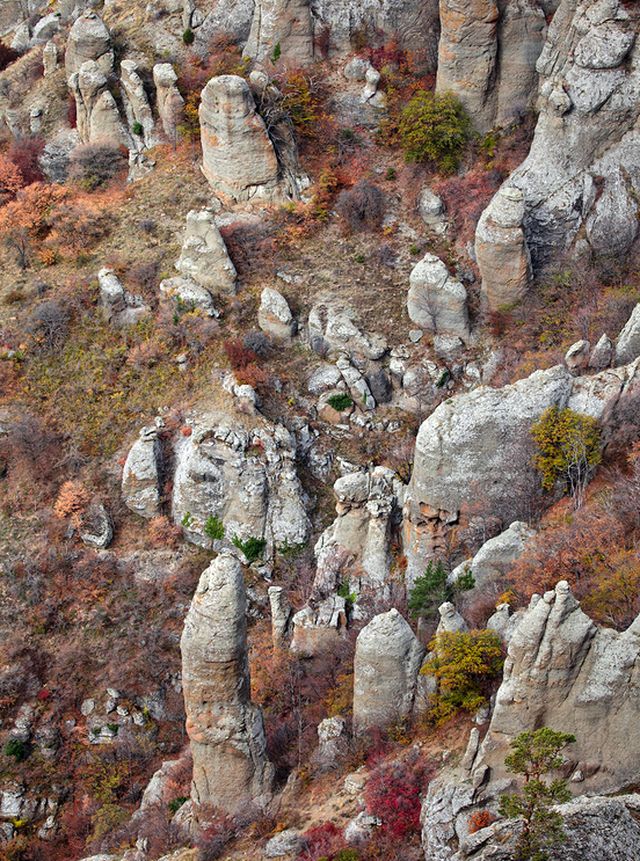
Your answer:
<point x="89" y="39"/>
<point x="450" y="620"/>
<point x="168" y="99"/>
<point x="239" y="159"/>
<point x="226" y="731"/>
<point x="501" y="250"/>
<point x="204" y="257"/>
<point x="386" y="665"/>
<point x="141" y="474"/>
<point x="437" y="301"/>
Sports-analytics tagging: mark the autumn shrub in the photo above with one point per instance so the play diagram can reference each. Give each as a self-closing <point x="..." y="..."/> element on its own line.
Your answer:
<point x="392" y="794"/>
<point x="29" y="218"/>
<point x="11" y="180"/>
<point x="25" y="154"/>
<point x="480" y="819"/>
<point x="7" y="56"/>
<point x="73" y="498"/>
<point x="321" y="842"/>
<point x="434" y="128"/>
<point x="568" y="446"/>
<point x="239" y="356"/>
<point x="163" y="533"/>
<point x="48" y="325"/>
<point x="464" y="664"/>
<point x="93" y="165"/>
<point x="362" y="207"/>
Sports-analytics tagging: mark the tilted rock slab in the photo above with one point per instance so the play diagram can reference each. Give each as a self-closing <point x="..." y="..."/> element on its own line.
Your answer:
<point x="564" y="671"/>
<point x="487" y="57"/>
<point x="581" y="179"/>
<point x="474" y="452"/>
<point x="239" y="159"/>
<point x="226" y="730"/>
<point x="89" y="39"/>
<point x="385" y="671"/>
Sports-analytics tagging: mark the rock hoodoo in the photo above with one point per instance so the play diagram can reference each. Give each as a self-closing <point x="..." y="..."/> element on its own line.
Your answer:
<point x="141" y="474"/>
<point x="89" y="40"/>
<point x="98" y="117"/>
<point x="386" y="665"/>
<point x="169" y="101"/>
<point x="230" y="765"/>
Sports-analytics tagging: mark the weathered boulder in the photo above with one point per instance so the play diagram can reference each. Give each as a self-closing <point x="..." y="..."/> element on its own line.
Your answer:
<point x="168" y="99"/>
<point x="356" y="547"/>
<point x="562" y="670"/>
<point x="577" y="356"/>
<point x="89" y="40"/>
<point x="501" y="250"/>
<point x="431" y="210"/>
<point x="284" y="23"/>
<point x="239" y="159"/>
<point x="49" y="58"/>
<point x="628" y="343"/>
<point x="386" y="664"/>
<point x="241" y="470"/>
<point x="602" y="354"/>
<point x="494" y="558"/>
<point x="475" y="450"/>
<point x="98" y="117"/>
<point x="582" y="175"/>
<point x="437" y="301"/>
<point x="288" y="842"/>
<point x="226" y="730"/>
<point x="487" y="57"/>
<point x="450" y="620"/>
<point x="137" y="108"/>
<point x="274" y="315"/>
<point x="332" y="743"/>
<point x="119" y="307"/>
<point x="204" y="257"/>
<point x="141" y="474"/>
<point x="333" y="329"/>
<point x="189" y="295"/>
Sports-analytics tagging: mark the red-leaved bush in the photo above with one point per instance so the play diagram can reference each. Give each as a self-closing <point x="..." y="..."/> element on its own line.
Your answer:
<point x="323" y="841"/>
<point x="480" y="819"/>
<point x="393" y="794"/>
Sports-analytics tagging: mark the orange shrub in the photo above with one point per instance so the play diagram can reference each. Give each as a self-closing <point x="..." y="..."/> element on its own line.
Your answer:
<point x="480" y="819"/>
<point x="73" y="498"/>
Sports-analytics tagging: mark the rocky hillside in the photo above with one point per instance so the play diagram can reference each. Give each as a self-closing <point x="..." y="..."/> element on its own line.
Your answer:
<point x="319" y="430"/>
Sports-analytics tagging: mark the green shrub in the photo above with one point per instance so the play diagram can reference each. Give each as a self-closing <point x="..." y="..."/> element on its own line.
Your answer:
<point x="340" y="402"/>
<point x="188" y="37"/>
<point x="429" y="591"/>
<point x="253" y="548"/>
<point x="568" y="448"/>
<point x="214" y="528"/>
<point x="434" y="128"/>
<point x="463" y="664"/>
<point x="276" y="53"/>
<point x="349" y="597"/>
<point x="16" y="748"/>
<point x="137" y="129"/>
<point x="177" y="803"/>
<point x="187" y="520"/>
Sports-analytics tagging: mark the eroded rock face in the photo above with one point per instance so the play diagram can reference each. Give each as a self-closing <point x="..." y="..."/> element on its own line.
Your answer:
<point x="628" y="343"/>
<point x="476" y="449"/>
<point x="239" y="159"/>
<point x="582" y="174"/>
<point x="137" y="107"/>
<point x="487" y="56"/>
<point x="241" y="470"/>
<point x="356" y="548"/>
<point x="141" y="474"/>
<point x="98" y="117"/>
<point x="562" y="670"/>
<point x="119" y="307"/>
<point x="89" y="39"/>
<point x="386" y="665"/>
<point x="226" y="731"/>
<point x="204" y="257"/>
<point x="286" y="23"/>
<point x="501" y="250"/>
<point x="437" y="301"/>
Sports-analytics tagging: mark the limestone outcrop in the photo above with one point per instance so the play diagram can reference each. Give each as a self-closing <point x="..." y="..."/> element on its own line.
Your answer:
<point x="98" y="117"/>
<point x="119" y="307"/>
<point x="239" y="158"/>
<point x="476" y="450"/>
<point x="386" y="665"/>
<point x="274" y="315"/>
<point x="141" y="474"/>
<point x="137" y="107"/>
<point x="356" y="548"/>
<point x="204" y="257"/>
<point x="582" y="176"/>
<point x="437" y="301"/>
<point x="562" y="670"/>
<point x="501" y="250"/>
<point x="284" y="23"/>
<point x="226" y="731"/>
<point x="333" y="328"/>
<point x="169" y="102"/>
<point x="487" y="57"/>
<point x="241" y="470"/>
<point x="89" y="40"/>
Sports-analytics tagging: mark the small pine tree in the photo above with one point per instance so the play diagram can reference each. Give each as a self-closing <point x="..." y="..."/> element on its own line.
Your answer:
<point x="534" y="755"/>
<point x="429" y="591"/>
